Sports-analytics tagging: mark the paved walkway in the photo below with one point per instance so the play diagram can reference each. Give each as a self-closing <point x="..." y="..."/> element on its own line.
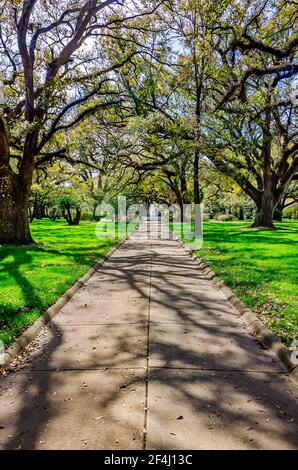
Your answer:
<point x="148" y="355"/>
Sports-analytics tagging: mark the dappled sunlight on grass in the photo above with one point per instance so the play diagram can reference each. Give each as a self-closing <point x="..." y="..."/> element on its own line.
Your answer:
<point x="262" y="268"/>
<point x="32" y="278"/>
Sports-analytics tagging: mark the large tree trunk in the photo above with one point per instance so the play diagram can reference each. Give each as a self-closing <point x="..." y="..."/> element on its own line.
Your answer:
<point x="93" y="217"/>
<point x="15" y="192"/>
<point x="175" y="188"/>
<point x="265" y="209"/>
<point x="278" y="213"/>
<point x="40" y="211"/>
<point x="179" y="199"/>
<point x="14" y="220"/>
<point x="183" y="191"/>
<point x="196" y="179"/>
<point x="267" y="200"/>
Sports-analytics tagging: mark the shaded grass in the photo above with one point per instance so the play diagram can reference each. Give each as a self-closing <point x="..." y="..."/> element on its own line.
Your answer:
<point x="261" y="267"/>
<point x="33" y="277"/>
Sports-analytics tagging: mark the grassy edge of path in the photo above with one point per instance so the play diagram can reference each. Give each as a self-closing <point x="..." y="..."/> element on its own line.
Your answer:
<point x="32" y="278"/>
<point x="261" y="267"/>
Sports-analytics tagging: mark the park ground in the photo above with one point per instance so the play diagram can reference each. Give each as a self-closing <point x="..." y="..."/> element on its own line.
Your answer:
<point x="33" y="277"/>
<point x="260" y="266"/>
<point x="148" y="355"/>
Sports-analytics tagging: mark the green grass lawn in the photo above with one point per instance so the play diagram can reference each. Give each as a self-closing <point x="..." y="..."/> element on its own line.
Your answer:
<point x="32" y="278"/>
<point x="261" y="267"/>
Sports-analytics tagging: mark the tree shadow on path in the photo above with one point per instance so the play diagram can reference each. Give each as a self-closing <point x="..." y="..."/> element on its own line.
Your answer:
<point x="203" y="366"/>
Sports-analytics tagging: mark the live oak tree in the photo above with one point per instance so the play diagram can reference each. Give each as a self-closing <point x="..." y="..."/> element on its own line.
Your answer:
<point x="156" y="138"/>
<point x="289" y="198"/>
<point x="169" y="94"/>
<point x="189" y="22"/>
<point x="54" y="77"/>
<point x="63" y="187"/>
<point x="239" y="65"/>
<point x="96" y="171"/>
<point x="145" y="142"/>
<point x="255" y="138"/>
<point x="178" y="89"/>
<point x="255" y="152"/>
<point x="174" y="87"/>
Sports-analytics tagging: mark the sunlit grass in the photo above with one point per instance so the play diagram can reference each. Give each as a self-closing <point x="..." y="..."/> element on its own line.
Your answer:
<point x="261" y="267"/>
<point x="32" y="278"/>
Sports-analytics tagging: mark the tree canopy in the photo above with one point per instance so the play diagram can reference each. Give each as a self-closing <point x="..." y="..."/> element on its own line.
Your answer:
<point x="160" y="100"/>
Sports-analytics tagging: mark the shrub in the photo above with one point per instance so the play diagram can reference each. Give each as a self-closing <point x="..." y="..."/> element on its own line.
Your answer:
<point x="225" y="217"/>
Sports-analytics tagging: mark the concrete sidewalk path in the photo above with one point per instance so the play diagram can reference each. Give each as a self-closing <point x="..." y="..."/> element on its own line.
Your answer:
<point x="149" y="355"/>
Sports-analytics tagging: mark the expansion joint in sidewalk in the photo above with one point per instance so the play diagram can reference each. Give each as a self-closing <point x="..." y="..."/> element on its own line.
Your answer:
<point x="148" y="352"/>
